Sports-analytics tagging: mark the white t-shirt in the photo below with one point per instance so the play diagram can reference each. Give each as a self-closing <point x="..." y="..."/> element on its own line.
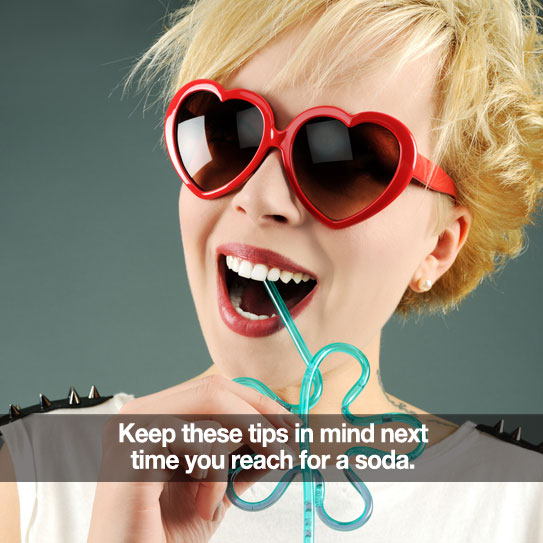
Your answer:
<point x="402" y="512"/>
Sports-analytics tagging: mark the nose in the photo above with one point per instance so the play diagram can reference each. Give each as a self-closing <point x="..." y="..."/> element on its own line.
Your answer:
<point x="267" y="198"/>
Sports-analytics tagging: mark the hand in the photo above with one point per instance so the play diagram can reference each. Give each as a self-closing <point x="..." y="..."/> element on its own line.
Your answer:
<point x="170" y="511"/>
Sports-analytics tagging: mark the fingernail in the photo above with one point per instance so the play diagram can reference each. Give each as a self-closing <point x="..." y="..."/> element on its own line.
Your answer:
<point x="218" y="511"/>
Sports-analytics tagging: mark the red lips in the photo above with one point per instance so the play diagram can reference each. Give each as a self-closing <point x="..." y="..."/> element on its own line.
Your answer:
<point x="236" y="322"/>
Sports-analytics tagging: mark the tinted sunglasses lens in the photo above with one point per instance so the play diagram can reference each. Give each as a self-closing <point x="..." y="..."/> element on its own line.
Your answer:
<point x="342" y="170"/>
<point x="216" y="140"/>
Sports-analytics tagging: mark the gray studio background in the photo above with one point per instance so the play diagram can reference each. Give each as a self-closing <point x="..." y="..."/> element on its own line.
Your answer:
<point x="92" y="281"/>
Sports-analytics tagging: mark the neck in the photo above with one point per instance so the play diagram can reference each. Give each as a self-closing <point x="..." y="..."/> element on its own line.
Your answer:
<point x="374" y="399"/>
<point x="338" y="381"/>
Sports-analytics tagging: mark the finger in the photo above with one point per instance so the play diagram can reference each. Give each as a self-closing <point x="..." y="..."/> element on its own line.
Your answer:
<point x="268" y="478"/>
<point x="153" y="459"/>
<point x="214" y="397"/>
<point x="176" y="397"/>
<point x="209" y="498"/>
<point x="226" y="402"/>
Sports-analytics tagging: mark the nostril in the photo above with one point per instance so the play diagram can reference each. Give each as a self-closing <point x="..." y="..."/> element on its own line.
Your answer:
<point x="279" y="218"/>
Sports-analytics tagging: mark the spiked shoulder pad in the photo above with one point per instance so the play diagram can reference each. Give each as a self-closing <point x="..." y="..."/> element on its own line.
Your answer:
<point x="514" y="437"/>
<point x="72" y="401"/>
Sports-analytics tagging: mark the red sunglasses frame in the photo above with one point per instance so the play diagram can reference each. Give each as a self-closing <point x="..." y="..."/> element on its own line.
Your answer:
<point x="411" y="164"/>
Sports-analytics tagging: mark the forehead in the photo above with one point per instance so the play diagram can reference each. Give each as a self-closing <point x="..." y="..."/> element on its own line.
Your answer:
<point x="379" y="84"/>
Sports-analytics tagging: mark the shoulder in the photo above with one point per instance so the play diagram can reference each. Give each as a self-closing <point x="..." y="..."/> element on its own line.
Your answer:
<point x="21" y="428"/>
<point x="478" y="453"/>
<point x="515" y="437"/>
<point x="73" y="403"/>
<point x="26" y="429"/>
<point x="25" y="498"/>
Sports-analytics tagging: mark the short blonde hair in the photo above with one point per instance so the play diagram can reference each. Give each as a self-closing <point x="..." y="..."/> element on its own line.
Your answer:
<point x="488" y="126"/>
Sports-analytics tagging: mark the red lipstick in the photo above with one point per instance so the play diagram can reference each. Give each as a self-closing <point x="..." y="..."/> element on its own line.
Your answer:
<point x="238" y="323"/>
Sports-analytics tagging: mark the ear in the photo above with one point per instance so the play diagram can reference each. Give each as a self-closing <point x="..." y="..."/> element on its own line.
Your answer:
<point x="447" y="247"/>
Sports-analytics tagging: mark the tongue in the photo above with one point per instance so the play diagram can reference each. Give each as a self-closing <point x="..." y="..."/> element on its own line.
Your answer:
<point x="256" y="300"/>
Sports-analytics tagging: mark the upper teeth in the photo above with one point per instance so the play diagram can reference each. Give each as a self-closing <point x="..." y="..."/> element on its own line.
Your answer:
<point x="261" y="272"/>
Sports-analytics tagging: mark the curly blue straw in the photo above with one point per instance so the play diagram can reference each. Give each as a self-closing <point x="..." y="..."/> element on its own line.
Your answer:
<point x="313" y="482"/>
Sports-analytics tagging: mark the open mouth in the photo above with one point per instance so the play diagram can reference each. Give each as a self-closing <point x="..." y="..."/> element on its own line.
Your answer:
<point x="244" y="302"/>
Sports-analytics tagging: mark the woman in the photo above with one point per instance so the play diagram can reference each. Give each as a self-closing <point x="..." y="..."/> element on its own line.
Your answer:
<point x="464" y="79"/>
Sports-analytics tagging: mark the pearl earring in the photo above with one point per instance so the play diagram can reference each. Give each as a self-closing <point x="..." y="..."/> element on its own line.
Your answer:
<point x="424" y="284"/>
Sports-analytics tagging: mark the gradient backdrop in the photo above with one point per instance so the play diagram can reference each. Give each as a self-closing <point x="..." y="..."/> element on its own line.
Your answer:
<point x="92" y="280"/>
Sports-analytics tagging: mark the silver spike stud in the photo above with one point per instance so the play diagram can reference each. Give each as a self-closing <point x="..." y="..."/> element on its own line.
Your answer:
<point x="73" y="397"/>
<point x="14" y="411"/>
<point x="499" y="426"/>
<point x="516" y="433"/>
<point x="94" y="393"/>
<point x="44" y="401"/>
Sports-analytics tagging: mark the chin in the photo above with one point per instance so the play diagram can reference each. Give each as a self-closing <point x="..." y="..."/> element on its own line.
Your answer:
<point x="272" y="366"/>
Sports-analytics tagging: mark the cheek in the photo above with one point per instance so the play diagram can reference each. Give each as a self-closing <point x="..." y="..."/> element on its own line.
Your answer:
<point x="200" y="222"/>
<point x="188" y="205"/>
<point x="376" y="260"/>
<point x="197" y="219"/>
<point x="382" y="261"/>
<point x="404" y="231"/>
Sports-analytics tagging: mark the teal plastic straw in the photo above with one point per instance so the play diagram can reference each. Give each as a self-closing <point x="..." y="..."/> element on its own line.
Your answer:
<point x="313" y="482"/>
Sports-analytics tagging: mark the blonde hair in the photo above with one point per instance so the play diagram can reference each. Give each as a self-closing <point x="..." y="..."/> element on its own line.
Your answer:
<point x="488" y="128"/>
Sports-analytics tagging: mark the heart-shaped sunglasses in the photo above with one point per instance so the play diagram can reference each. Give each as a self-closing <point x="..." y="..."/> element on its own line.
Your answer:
<point x="343" y="168"/>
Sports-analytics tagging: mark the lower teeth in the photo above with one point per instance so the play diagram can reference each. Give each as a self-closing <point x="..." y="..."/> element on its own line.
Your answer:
<point x="252" y="316"/>
<point x="235" y="297"/>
